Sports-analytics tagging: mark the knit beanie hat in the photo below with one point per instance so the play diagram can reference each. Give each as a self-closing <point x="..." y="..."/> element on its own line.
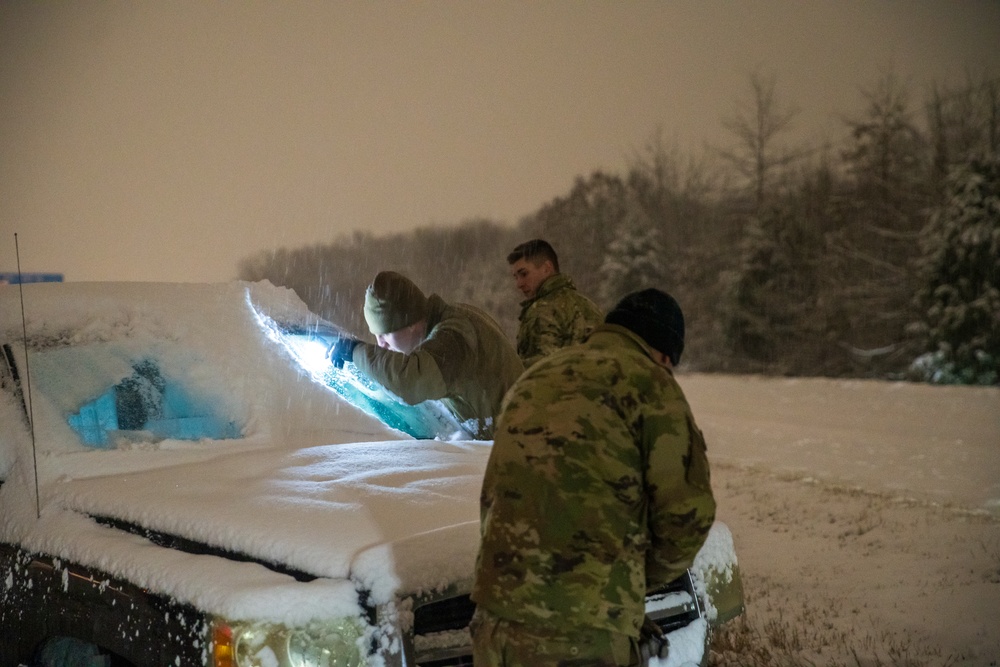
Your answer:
<point x="393" y="302"/>
<point x="654" y="316"/>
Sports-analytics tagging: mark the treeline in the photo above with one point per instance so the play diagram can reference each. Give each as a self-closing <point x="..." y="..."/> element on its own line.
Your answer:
<point x="875" y="257"/>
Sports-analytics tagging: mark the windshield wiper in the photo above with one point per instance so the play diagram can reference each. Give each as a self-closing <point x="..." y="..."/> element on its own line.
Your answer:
<point x="169" y="541"/>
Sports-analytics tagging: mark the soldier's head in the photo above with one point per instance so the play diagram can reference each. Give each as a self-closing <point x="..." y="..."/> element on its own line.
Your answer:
<point x="654" y="316"/>
<point x="531" y="264"/>
<point x="396" y="312"/>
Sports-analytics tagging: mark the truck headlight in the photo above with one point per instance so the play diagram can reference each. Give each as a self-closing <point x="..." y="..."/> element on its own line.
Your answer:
<point x="327" y="645"/>
<point x="318" y="644"/>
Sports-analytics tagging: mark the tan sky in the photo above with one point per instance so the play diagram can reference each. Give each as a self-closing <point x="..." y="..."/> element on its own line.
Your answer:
<point x="165" y="141"/>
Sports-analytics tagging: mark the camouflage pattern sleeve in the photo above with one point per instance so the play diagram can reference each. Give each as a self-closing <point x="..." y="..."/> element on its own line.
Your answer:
<point x="540" y="333"/>
<point x="681" y="503"/>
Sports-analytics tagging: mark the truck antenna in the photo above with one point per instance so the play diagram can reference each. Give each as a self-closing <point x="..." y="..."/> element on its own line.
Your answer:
<point x="27" y="374"/>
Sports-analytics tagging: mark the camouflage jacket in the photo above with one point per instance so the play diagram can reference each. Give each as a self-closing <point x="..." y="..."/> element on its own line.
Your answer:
<point x="465" y="360"/>
<point x="597" y="489"/>
<point x="557" y="316"/>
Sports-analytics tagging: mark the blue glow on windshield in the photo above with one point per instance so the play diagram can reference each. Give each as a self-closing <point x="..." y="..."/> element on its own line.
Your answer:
<point x="309" y="347"/>
<point x="147" y="407"/>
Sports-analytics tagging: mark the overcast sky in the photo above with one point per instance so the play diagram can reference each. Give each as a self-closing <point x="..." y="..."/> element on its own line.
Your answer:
<point x="165" y="141"/>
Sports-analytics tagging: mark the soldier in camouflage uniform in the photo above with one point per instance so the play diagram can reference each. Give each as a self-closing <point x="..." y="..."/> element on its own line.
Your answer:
<point x="554" y="314"/>
<point x="428" y="349"/>
<point x="596" y="491"/>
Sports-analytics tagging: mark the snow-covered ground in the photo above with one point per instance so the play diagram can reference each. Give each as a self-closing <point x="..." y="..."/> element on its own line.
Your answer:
<point x="866" y="516"/>
<point x="937" y="443"/>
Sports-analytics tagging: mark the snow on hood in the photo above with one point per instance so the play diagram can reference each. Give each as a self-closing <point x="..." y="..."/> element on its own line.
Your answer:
<point x="312" y="509"/>
<point x="314" y="484"/>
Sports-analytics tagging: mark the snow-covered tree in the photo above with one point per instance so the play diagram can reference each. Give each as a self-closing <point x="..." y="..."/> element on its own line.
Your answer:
<point x="634" y="259"/>
<point x="960" y="298"/>
<point x="874" y="235"/>
<point x="770" y="313"/>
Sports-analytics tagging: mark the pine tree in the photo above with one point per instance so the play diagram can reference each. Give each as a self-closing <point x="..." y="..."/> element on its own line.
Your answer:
<point x="634" y="260"/>
<point x="875" y="240"/>
<point x="770" y="314"/>
<point x="960" y="298"/>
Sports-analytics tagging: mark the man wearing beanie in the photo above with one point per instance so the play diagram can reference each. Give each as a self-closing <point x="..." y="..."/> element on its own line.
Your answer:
<point x="428" y="350"/>
<point x="554" y="314"/>
<point x="596" y="491"/>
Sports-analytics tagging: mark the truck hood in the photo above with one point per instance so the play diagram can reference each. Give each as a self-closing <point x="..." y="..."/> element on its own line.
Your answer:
<point x="390" y="517"/>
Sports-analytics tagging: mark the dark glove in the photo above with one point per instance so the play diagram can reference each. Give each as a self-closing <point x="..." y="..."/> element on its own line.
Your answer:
<point x="652" y="642"/>
<point x="342" y="351"/>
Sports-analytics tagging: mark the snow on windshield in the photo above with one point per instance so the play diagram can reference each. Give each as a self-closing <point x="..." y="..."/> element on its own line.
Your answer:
<point x="205" y="336"/>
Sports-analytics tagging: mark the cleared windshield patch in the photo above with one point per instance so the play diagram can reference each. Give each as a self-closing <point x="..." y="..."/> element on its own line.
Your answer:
<point x="308" y="345"/>
<point x="427" y="420"/>
<point x="145" y="407"/>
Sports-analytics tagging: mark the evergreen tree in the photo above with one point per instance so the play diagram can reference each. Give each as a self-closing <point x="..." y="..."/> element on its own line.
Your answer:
<point x="960" y="298"/>
<point x="875" y="227"/>
<point x="634" y="260"/>
<point x="770" y="315"/>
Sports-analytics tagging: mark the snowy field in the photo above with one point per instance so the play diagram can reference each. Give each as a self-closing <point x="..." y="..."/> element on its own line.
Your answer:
<point x="866" y="516"/>
<point x="935" y="443"/>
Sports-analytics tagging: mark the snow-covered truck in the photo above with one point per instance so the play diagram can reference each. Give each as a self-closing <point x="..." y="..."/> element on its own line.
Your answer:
<point x="186" y="480"/>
